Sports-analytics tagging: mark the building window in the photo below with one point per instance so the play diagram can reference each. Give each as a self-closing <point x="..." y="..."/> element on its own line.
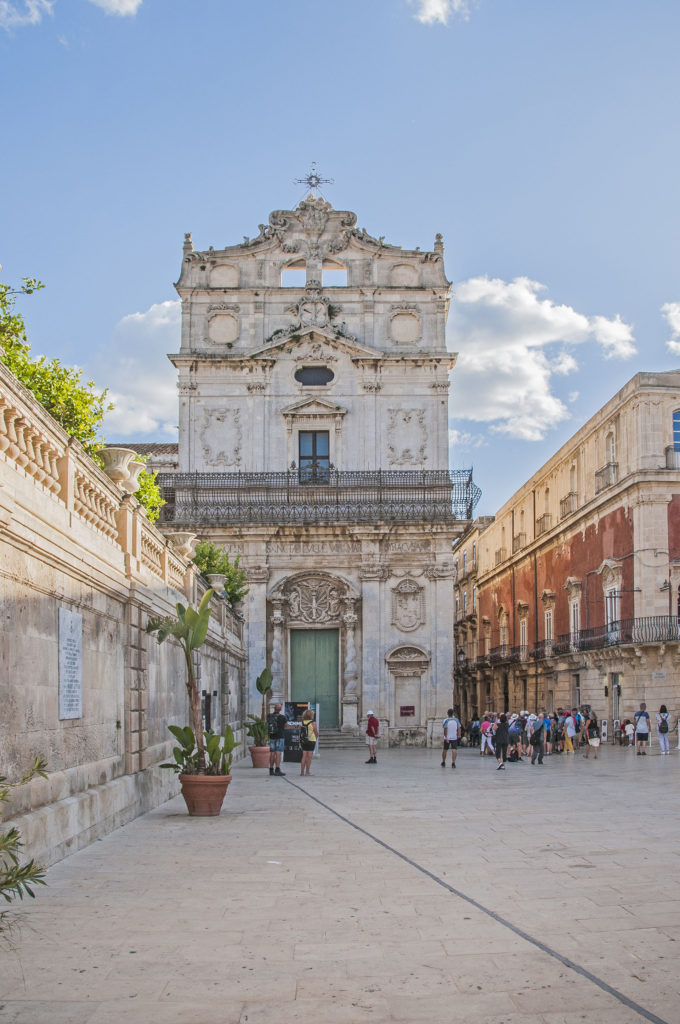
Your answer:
<point x="294" y="275"/>
<point x="465" y="602"/>
<point x="523" y="637"/>
<point x="474" y="554"/>
<point x="474" y="598"/>
<point x="548" y="626"/>
<point x="314" y="376"/>
<point x="464" y="562"/>
<point x="314" y="457"/>
<point x="334" y="275"/>
<point x="676" y="431"/>
<point x="610" y="448"/>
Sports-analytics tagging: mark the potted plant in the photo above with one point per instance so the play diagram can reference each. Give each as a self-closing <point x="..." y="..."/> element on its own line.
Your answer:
<point x="202" y="760"/>
<point x="256" y="725"/>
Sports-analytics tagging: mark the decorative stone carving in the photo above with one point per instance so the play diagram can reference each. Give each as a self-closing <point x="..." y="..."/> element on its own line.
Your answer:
<point x="257" y="574"/>
<point x="439" y="572"/>
<point x="256" y="387"/>
<point x="315" y="350"/>
<point x="351" y="668"/>
<point x="374" y="572"/>
<point x="573" y="586"/>
<point x="313" y="600"/>
<point x="406" y="437"/>
<point x="611" y="573"/>
<point x="407" y="654"/>
<point x="222" y="436"/>
<point x="371" y="386"/>
<point x="408" y="610"/>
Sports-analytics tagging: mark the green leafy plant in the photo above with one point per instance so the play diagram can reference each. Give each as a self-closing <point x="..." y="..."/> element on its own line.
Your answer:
<point x="256" y="725"/>
<point x="17" y="879"/>
<point x="258" y="730"/>
<point x="148" y="493"/>
<point x="190" y="628"/>
<point x="211" y="559"/>
<point x="218" y="751"/>
<point x="74" y="403"/>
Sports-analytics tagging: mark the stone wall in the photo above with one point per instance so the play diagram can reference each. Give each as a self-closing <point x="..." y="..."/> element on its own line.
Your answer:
<point x="72" y="541"/>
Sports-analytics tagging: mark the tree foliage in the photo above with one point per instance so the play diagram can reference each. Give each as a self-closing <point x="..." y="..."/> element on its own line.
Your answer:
<point x="17" y="879"/>
<point x="211" y="559"/>
<point x="148" y="493"/>
<point x="74" y="403"/>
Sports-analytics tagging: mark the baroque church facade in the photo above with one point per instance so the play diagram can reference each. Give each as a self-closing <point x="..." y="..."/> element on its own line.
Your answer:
<point x="313" y="382"/>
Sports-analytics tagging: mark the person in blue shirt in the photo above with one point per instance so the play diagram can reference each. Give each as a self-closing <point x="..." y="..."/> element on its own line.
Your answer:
<point x="642" y="729"/>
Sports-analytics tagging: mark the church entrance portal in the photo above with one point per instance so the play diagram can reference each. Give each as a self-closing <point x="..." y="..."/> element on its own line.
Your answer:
<point x="314" y="671"/>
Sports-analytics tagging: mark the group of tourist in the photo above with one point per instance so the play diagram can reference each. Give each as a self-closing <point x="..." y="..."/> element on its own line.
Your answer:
<point x="513" y="737"/>
<point x="507" y="738"/>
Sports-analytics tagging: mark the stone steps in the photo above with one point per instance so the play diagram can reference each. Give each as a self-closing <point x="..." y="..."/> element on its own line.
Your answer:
<point x="335" y="739"/>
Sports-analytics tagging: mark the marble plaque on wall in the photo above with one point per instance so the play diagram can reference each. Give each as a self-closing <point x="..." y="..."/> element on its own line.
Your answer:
<point x="70" y="664"/>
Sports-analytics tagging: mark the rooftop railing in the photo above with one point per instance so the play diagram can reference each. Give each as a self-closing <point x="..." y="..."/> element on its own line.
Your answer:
<point x="355" y="497"/>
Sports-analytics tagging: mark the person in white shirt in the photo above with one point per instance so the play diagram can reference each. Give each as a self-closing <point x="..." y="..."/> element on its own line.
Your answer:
<point x="452" y="730"/>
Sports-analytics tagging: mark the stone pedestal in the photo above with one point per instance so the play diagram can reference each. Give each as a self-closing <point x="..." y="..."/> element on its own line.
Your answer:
<point x="350" y="715"/>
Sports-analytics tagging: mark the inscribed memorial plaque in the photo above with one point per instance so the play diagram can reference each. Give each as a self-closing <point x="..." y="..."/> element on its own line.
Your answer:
<point x="70" y="664"/>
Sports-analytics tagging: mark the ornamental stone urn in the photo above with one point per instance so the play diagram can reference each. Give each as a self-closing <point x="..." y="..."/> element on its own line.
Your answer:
<point x="216" y="581"/>
<point x="116" y="462"/>
<point x="182" y="541"/>
<point x="131" y="483"/>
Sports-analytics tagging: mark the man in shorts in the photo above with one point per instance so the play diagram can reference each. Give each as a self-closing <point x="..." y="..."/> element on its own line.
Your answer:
<point x="642" y="729"/>
<point x="276" y="723"/>
<point x="451" y="727"/>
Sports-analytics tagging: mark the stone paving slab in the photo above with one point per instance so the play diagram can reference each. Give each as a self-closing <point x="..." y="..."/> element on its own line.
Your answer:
<point x="279" y="909"/>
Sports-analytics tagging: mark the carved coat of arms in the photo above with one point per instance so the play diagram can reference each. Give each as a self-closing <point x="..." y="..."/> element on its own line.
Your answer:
<point x="407" y="606"/>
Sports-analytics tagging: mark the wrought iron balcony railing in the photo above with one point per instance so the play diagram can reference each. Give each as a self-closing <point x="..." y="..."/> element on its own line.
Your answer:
<point x="568" y="504"/>
<point x="543" y="524"/>
<point x="606" y="476"/>
<point x="369" y="496"/>
<point x="519" y="541"/>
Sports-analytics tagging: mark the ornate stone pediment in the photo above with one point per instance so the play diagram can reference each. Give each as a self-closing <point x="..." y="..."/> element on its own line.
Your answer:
<point x="328" y="337"/>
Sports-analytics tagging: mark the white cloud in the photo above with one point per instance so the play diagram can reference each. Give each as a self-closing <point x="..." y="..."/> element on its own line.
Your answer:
<point x="671" y="311"/>
<point x="432" y="11"/>
<point x="141" y="380"/>
<point x="615" y="337"/>
<point x="121" y="7"/>
<point x="464" y="441"/>
<point x="30" y="13"/>
<point x="504" y="333"/>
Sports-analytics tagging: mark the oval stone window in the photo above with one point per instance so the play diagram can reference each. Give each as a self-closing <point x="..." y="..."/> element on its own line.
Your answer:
<point x="314" y="376"/>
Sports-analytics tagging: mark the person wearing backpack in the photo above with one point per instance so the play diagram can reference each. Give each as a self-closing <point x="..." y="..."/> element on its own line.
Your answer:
<point x="593" y="734"/>
<point x="276" y="724"/>
<point x="663" y="728"/>
<point x="537" y="737"/>
<point x="308" y="737"/>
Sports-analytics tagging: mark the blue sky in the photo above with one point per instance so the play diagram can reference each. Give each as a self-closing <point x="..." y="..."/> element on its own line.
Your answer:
<point x="540" y="138"/>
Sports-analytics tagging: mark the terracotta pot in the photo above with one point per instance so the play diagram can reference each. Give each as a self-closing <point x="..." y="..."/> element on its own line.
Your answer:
<point x="204" y="794"/>
<point x="260" y="756"/>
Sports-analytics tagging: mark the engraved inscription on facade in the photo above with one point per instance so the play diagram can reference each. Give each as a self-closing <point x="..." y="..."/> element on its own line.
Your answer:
<point x="322" y="547"/>
<point x="70" y="664"/>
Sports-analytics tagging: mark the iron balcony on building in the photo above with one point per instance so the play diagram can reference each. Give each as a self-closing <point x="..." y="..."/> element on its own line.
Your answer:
<point x="194" y="499"/>
<point x="519" y="541"/>
<point x="653" y="629"/>
<point x="568" y="504"/>
<point x="606" y="476"/>
<point x="543" y="524"/>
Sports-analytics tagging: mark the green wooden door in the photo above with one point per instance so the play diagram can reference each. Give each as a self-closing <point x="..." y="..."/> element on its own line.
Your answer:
<point x="314" y="671"/>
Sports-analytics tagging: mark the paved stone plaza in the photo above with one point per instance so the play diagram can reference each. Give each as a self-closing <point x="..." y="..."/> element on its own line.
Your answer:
<point x="403" y="892"/>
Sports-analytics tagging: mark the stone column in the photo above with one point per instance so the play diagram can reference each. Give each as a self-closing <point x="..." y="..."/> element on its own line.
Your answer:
<point x="277" y="622"/>
<point x="350" y="695"/>
<point x="256" y="599"/>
